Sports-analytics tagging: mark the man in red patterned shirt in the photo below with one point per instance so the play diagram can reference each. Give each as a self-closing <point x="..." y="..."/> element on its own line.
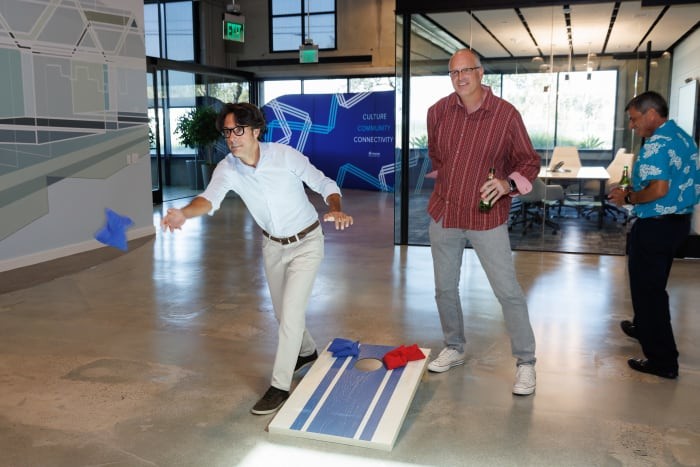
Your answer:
<point x="469" y="132"/>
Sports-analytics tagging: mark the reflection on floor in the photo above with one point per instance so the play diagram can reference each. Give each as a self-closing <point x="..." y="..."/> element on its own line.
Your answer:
<point x="154" y="357"/>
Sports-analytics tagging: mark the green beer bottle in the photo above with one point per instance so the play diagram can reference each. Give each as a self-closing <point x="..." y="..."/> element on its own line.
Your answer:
<point x="485" y="206"/>
<point x="624" y="183"/>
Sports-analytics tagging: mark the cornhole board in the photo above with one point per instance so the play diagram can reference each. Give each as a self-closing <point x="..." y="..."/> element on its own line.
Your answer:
<point x="337" y="401"/>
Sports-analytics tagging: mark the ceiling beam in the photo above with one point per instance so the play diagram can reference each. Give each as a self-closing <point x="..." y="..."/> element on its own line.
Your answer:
<point x="446" y="6"/>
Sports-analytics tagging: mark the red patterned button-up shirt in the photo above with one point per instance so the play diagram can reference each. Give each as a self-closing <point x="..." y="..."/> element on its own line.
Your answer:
<point x="462" y="147"/>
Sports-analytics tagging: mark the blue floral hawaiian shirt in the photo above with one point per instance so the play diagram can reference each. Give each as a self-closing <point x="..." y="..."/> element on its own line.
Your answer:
<point x="669" y="154"/>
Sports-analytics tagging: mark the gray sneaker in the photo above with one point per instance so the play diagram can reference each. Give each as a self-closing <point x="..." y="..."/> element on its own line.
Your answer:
<point x="270" y="401"/>
<point x="525" y="380"/>
<point x="448" y="358"/>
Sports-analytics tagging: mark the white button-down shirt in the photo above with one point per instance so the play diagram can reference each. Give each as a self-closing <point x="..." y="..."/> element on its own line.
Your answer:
<point x="274" y="190"/>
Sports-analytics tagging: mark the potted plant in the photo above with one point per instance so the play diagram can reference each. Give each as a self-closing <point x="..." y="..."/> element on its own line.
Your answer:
<point x="197" y="130"/>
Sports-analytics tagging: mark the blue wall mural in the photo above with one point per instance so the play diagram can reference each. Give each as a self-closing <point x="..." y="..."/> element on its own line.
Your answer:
<point x="350" y="137"/>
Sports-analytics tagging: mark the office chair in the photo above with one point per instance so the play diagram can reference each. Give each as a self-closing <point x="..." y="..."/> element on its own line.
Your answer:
<point x="567" y="159"/>
<point x="622" y="158"/>
<point x="564" y="158"/>
<point x="531" y="207"/>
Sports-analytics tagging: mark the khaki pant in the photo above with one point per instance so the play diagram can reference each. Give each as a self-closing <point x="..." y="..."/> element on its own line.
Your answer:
<point x="291" y="270"/>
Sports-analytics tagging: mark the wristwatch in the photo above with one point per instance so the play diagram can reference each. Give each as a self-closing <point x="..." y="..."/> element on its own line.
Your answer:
<point x="627" y="198"/>
<point x="512" y="184"/>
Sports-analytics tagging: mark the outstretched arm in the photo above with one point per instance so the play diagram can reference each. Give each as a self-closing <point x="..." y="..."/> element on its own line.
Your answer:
<point x="176" y="217"/>
<point x="336" y="214"/>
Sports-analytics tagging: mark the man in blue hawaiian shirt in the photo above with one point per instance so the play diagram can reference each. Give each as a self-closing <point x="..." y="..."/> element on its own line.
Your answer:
<point x="665" y="187"/>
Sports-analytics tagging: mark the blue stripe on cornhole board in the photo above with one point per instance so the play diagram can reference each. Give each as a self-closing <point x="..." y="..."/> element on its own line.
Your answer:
<point x="381" y="406"/>
<point x="305" y="413"/>
<point x="346" y="405"/>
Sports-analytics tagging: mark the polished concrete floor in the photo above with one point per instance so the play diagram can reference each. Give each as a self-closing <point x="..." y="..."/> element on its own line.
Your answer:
<point x="155" y="357"/>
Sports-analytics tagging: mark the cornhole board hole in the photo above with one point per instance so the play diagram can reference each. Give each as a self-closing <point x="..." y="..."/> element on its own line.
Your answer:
<point x="351" y="400"/>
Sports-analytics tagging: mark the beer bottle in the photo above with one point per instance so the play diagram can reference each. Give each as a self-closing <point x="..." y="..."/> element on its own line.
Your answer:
<point x="624" y="183"/>
<point x="485" y="206"/>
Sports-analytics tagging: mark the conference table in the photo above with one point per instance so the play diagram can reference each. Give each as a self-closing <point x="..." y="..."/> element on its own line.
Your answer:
<point x="580" y="175"/>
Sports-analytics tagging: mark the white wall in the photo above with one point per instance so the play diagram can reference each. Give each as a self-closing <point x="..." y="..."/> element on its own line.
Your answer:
<point x="686" y="65"/>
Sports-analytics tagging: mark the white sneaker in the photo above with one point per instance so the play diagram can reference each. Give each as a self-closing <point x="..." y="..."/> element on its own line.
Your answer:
<point x="524" y="380"/>
<point x="448" y="358"/>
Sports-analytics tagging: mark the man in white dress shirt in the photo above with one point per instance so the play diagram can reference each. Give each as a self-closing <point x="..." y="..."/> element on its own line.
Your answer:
<point x="270" y="179"/>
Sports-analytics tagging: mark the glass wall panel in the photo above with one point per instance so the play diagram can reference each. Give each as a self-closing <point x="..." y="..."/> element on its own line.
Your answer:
<point x="177" y="170"/>
<point x="568" y="96"/>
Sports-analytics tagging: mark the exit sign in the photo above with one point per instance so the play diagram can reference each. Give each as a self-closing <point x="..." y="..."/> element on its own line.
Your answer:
<point x="234" y="28"/>
<point x="308" y="53"/>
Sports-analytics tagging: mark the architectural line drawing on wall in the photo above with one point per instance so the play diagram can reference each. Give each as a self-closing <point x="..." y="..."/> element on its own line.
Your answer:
<point x="74" y="100"/>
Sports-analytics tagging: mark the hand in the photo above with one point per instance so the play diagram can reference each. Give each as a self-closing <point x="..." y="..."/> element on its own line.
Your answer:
<point x="494" y="189"/>
<point x="342" y="220"/>
<point x="617" y="196"/>
<point x="174" y="219"/>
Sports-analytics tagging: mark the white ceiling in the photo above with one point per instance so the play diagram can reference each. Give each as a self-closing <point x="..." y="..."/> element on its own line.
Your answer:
<point x="632" y="28"/>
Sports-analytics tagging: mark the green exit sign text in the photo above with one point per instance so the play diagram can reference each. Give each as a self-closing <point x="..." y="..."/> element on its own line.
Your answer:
<point x="234" y="28"/>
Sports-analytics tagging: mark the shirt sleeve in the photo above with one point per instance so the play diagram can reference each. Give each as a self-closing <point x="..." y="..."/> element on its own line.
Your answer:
<point x="433" y="152"/>
<point x="316" y="180"/>
<point x="524" y="160"/>
<point x="218" y="187"/>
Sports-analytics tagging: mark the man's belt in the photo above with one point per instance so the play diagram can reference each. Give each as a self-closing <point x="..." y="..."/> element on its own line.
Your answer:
<point x="293" y="238"/>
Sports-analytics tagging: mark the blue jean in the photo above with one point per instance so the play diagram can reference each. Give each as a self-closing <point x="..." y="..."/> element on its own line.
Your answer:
<point x="492" y="247"/>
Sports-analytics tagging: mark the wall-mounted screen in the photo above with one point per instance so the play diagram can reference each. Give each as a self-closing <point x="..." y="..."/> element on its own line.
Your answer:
<point x="688" y="108"/>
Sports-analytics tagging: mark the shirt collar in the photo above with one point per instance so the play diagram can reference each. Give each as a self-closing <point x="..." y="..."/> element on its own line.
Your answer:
<point x="487" y="104"/>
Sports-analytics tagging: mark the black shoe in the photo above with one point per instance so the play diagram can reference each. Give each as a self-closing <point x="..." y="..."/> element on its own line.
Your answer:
<point x="270" y="402"/>
<point x="303" y="362"/>
<point x="629" y="328"/>
<point x="643" y="365"/>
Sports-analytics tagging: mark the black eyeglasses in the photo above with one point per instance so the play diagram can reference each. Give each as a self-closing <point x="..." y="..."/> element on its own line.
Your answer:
<point x="237" y="130"/>
<point x="456" y="73"/>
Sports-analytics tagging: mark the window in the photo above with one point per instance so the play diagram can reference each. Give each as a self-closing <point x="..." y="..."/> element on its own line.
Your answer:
<point x="533" y="95"/>
<point x="272" y="89"/>
<point x="294" y="21"/>
<point x="583" y="115"/>
<point x="325" y="86"/>
<point x="586" y="109"/>
<point x="566" y="109"/>
<point x="168" y="30"/>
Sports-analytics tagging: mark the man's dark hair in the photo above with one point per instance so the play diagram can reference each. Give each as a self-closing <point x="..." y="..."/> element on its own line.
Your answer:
<point x="649" y="100"/>
<point x="245" y="114"/>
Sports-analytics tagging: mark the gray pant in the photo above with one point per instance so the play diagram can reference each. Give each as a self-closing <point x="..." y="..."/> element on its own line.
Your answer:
<point x="493" y="250"/>
<point x="291" y="271"/>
